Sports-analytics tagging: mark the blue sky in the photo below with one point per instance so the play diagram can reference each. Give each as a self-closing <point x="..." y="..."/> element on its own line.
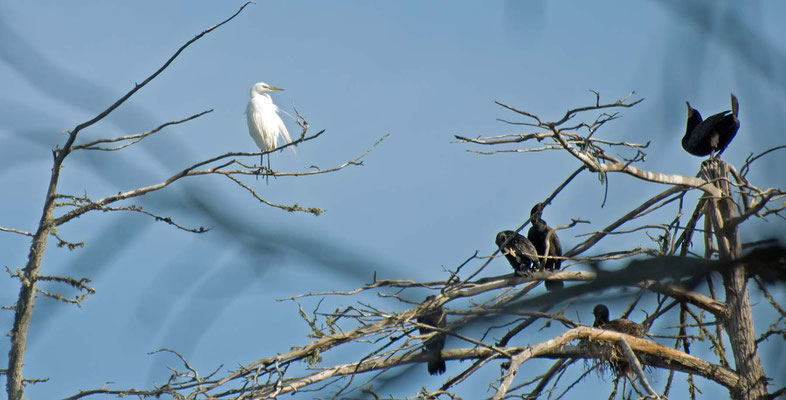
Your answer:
<point x="420" y="72"/>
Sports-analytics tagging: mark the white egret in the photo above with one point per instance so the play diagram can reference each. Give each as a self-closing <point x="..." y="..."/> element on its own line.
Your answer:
<point x="264" y="124"/>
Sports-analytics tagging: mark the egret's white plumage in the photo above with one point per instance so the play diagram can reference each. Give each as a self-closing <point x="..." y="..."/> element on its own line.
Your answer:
<point x="264" y="124"/>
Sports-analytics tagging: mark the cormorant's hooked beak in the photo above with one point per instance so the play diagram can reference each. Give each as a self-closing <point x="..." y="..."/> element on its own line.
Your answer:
<point x="690" y="109"/>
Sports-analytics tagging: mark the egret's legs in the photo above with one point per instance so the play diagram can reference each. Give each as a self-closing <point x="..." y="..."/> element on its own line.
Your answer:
<point x="261" y="159"/>
<point x="261" y="167"/>
<point x="267" y="177"/>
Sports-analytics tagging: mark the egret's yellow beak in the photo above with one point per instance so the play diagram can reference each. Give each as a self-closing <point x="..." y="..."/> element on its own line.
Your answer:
<point x="274" y="88"/>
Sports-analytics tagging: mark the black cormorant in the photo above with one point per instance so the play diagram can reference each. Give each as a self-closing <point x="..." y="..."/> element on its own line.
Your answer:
<point x="544" y="238"/>
<point x="434" y="345"/>
<point x="521" y="254"/>
<point x="622" y="325"/>
<point x="712" y="135"/>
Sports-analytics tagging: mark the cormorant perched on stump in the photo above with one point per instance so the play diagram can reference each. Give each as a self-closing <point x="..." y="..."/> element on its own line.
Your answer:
<point x="712" y="135"/>
<point x="521" y="254"/>
<point x="622" y="325"/>
<point x="546" y="243"/>
<point x="434" y="345"/>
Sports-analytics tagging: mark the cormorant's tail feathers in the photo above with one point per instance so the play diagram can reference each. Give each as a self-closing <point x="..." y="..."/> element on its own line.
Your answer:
<point x="437" y="367"/>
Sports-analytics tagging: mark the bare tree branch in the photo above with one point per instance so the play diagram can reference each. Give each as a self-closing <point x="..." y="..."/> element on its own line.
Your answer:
<point x="12" y="230"/>
<point x="23" y="309"/>
<point x="135" y="138"/>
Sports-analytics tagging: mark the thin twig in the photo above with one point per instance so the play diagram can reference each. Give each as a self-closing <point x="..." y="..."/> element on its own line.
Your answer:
<point x="135" y="138"/>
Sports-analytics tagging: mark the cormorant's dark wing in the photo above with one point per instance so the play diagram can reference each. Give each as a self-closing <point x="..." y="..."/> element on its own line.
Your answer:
<point x="712" y="134"/>
<point x="555" y="249"/>
<point x="545" y="238"/>
<point x="690" y="141"/>
<point x="519" y="251"/>
<point x="526" y="253"/>
<point x="703" y="140"/>
<point x="554" y="264"/>
<point x="436" y="343"/>
<point x="537" y="235"/>
<point x="728" y="127"/>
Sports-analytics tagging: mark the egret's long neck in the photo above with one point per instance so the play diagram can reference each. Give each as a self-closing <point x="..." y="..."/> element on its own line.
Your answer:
<point x="256" y="95"/>
<point x="263" y="97"/>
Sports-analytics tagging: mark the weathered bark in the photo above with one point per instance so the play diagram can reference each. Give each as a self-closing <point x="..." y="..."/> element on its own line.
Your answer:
<point x="23" y="310"/>
<point x="739" y="317"/>
<point x="739" y="327"/>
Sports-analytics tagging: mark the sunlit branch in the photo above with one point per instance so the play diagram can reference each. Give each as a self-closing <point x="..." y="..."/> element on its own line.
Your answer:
<point x="18" y="231"/>
<point x="660" y="356"/>
<point x="192" y="171"/>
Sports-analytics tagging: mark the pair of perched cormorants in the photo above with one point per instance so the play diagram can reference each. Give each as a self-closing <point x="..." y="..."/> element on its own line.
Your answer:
<point x="712" y="135"/>
<point x="434" y="316"/>
<point x="529" y="253"/>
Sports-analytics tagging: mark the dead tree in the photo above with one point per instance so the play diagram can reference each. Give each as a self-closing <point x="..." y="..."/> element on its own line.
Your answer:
<point x="671" y="283"/>
<point x="59" y="208"/>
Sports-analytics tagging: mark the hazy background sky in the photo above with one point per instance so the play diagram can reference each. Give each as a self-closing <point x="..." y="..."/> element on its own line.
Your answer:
<point x="420" y="71"/>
